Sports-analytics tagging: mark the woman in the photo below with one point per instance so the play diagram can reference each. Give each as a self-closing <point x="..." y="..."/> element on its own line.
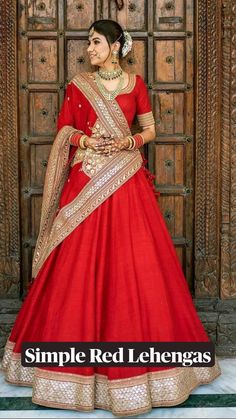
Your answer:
<point x="105" y="268"/>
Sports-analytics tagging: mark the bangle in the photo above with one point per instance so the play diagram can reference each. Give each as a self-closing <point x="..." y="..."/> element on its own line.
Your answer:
<point x="135" y="141"/>
<point x="82" y="140"/>
<point x="78" y="139"/>
<point x="75" y="138"/>
<point x="139" y="140"/>
<point x="131" y="142"/>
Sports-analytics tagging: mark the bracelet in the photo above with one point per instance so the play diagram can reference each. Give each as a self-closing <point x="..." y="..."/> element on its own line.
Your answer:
<point x="74" y="138"/>
<point x="82" y="141"/>
<point x="135" y="141"/>
<point x="78" y="139"/>
<point x="139" y="140"/>
<point x="131" y="142"/>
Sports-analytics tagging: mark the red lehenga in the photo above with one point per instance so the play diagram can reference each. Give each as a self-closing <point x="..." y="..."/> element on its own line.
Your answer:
<point x="105" y="267"/>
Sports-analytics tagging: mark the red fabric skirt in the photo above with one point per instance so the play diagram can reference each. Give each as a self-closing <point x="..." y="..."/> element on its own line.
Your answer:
<point x="116" y="277"/>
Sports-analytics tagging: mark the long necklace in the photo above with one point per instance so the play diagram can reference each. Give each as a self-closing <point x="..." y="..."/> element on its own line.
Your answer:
<point x="109" y="95"/>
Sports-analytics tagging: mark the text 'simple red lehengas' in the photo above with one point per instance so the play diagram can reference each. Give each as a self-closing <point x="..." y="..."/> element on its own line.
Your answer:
<point x="105" y="267"/>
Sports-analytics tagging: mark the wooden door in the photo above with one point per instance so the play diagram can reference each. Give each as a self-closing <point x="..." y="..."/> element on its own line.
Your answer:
<point x="52" y="49"/>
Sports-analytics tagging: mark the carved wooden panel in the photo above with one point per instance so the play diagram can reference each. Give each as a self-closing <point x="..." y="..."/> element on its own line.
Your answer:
<point x="228" y="154"/>
<point x="207" y="155"/>
<point x="9" y="165"/>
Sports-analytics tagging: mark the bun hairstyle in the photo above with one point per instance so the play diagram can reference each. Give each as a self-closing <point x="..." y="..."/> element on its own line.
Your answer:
<point x="111" y="30"/>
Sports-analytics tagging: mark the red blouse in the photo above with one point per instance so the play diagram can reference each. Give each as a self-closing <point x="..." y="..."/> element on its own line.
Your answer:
<point x="78" y="112"/>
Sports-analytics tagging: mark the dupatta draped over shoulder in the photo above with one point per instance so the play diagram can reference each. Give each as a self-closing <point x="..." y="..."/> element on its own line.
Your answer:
<point x="106" y="174"/>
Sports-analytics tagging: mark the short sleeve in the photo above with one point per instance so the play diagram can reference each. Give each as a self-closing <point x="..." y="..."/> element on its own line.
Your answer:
<point x="143" y="106"/>
<point x="65" y="116"/>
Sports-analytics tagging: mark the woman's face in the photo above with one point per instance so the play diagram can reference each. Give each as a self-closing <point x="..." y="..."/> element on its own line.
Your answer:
<point x="98" y="49"/>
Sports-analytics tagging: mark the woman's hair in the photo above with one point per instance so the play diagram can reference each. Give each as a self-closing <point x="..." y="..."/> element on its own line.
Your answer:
<point x="111" y="30"/>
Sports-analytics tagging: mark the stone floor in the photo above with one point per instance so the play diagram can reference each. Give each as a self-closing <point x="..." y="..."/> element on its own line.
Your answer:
<point x="215" y="400"/>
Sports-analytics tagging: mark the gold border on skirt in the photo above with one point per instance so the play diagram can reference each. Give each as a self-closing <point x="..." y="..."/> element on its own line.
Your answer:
<point x="126" y="397"/>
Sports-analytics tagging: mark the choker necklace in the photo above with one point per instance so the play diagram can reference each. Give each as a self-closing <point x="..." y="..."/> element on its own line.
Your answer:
<point x="110" y="75"/>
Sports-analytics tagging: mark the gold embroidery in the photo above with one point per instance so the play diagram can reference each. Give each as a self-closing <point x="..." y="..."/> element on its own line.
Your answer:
<point x="131" y="84"/>
<point x="78" y="156"/>
<point x="57" y="171"/>
<point x="146" y="119"/>
<point x="93" y="162"/>
<point x="125" y="396"/>
<point x="127" y="89"/>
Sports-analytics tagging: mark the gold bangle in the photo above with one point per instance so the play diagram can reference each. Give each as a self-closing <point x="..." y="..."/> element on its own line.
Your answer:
<point x="82" y="140"/>
<point x="132" y="142"/>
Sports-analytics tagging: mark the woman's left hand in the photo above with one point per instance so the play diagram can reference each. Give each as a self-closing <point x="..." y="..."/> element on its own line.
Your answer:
<point x="108" y="146"/>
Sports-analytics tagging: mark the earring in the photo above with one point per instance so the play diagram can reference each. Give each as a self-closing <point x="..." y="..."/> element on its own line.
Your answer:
<point x="114" y="57"/>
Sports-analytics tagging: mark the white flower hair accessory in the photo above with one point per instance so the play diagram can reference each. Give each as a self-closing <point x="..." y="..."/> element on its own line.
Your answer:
<point x="127" y="45"/>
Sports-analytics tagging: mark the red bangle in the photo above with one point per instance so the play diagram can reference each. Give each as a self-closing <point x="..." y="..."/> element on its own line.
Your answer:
<point x="139" y="140"/>
<point x="74" y="139"/>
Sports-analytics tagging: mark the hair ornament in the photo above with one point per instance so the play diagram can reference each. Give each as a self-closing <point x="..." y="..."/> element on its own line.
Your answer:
<point x="127" y="45"/>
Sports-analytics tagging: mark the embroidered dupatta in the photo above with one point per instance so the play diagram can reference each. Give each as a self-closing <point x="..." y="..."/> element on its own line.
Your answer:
<point x="109" y="173"/>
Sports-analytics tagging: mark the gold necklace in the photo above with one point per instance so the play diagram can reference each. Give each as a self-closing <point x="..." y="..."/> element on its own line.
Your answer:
<point x="110" y="75"/>
<point x="109" y="95"/>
